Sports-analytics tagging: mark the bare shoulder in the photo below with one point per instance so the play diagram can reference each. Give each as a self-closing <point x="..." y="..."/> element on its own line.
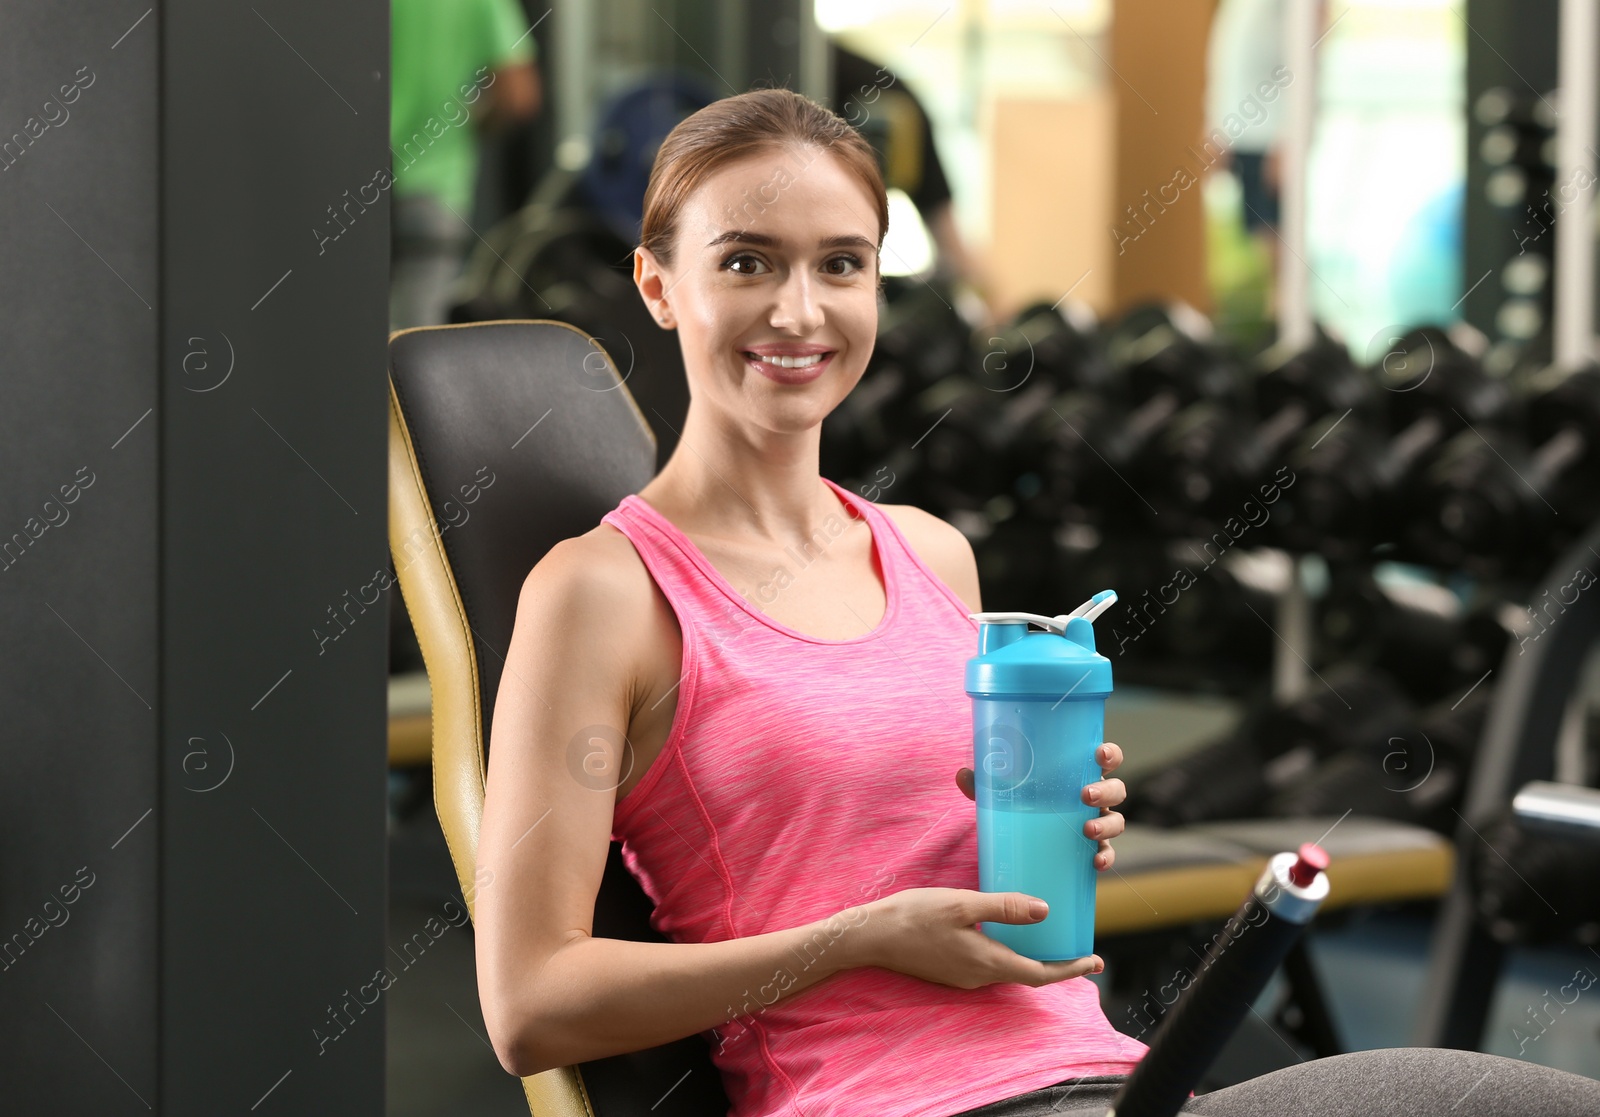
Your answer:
<point x="941" y="546"/>
<point x="595" y="580"/>
<point x="601" y="566"/>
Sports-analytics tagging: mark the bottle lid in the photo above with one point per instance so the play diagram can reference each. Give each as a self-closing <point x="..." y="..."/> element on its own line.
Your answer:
<point x="1060" y="662"/>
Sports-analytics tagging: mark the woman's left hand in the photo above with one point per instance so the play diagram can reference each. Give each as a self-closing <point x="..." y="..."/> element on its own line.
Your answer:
<point x="1104" y="793"/>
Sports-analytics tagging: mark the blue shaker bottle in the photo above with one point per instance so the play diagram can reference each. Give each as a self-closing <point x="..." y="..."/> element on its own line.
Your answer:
<point x="1038" y="715"/>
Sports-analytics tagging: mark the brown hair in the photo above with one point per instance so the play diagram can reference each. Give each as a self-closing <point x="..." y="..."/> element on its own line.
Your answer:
<point x="733" y="128"/>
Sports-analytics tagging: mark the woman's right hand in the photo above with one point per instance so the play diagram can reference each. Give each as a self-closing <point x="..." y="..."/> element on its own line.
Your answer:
<point x="931" y="933"/>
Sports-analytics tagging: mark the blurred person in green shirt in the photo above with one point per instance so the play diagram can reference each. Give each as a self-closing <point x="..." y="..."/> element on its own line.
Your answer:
<point x="460" y="69"/>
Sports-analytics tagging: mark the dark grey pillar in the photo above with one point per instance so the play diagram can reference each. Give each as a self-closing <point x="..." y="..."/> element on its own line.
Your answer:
<point x="192" y="515"/>
<point x="1510" y="44"/>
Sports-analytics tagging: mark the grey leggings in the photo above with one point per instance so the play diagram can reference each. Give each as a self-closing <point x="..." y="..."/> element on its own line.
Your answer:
<point x="1414" y="1081"/>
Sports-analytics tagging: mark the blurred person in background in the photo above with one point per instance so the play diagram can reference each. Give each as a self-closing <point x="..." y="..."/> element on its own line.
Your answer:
<point x="891" y="118"/>
<point x="460" y="70"/>
<point x="1244" y="52"/>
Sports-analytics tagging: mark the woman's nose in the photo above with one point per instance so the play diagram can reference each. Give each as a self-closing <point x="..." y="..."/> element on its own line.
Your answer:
<point x="797" y="308"/>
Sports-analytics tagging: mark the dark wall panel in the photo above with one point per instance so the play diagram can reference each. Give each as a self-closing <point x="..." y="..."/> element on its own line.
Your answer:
<point x="275" y="153"/>
<point x="193" y="307"/>
<point x="79" y="328"/>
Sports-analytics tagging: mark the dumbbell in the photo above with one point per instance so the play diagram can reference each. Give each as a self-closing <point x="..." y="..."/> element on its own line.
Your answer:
<point x="1418" y="633"/>
<point x="1042" y="370"/>
<point x="1351" y="479"/>
<point x="1276" y="745"/>
<point x="1162" y="358"/>
<point x="921" y="340"/>
<point x="1056" y="474"/>
<point x="856" y="441"/>
<point x="1202" y="611"/>
<point x="966" y="424"/>
<point x="969" y="424"/>
<point x="1215" y="459"/>
<point x="1417" y="773"/>
<point x="1490" y="501"/>
<point x="1020" y="560"/>
<point x="1041" y="438"/>
<point x="1054" y="344"/>
<point x="964" y="421"/>
<point x="1167" y="349"/>
<point x="960" y="447"/>
<point x="920" y="331"/>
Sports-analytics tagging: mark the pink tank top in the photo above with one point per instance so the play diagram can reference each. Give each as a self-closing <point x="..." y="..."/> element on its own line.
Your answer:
<point x="803" y="776"/>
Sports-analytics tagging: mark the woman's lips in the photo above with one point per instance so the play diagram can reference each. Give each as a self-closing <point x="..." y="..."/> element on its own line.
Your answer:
<point x="787" y="375"/>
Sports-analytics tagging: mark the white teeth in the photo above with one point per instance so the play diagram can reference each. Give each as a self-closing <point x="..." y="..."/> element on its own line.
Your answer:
<point x="791" y="362"/>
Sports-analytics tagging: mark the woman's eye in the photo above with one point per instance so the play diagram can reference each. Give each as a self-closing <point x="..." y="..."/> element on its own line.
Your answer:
<point x="853" y="262"/>
<point x="732" y="262"/>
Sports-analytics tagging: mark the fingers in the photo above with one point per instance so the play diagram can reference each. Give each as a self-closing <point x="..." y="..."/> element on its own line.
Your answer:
<point x="964" y="782"/>
<point x="1110" y="757"/>
<point x="1042" y="973"/>
<point x="1105" y="793"/>
<point x="1003" y="907"/>
<point x="1108" y="825"/>
<point x="1101" y="793"/>
<point x="1006" y="964"/>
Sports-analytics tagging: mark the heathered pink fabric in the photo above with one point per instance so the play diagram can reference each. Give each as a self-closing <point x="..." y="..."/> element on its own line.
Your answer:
<point x="804" y="776"/>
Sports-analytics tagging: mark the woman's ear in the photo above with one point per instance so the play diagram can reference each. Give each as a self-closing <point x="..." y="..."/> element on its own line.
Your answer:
<point x="654" y="284"/>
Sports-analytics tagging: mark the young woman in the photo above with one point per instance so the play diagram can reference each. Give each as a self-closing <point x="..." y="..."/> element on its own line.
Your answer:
<point x="753" y="679"/>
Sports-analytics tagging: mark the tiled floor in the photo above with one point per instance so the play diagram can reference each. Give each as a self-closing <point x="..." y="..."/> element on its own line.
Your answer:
<point x="440" y="1062"/>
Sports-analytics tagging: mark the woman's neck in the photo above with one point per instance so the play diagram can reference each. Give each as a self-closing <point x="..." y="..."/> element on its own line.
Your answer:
<point x="721" y="483"/>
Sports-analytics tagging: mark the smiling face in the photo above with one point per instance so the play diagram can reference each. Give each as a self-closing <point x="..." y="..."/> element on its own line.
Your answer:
<point x="772" y="287"/>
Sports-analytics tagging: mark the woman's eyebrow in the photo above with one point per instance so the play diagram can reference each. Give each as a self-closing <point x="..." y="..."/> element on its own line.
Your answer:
<point x="742" y="236"/>
<point x="745" y="236"/>
<point x="847" y="240"/>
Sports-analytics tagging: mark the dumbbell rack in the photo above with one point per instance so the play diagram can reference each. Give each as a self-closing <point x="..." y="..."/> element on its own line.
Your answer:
<point x="1538" y="683"/>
